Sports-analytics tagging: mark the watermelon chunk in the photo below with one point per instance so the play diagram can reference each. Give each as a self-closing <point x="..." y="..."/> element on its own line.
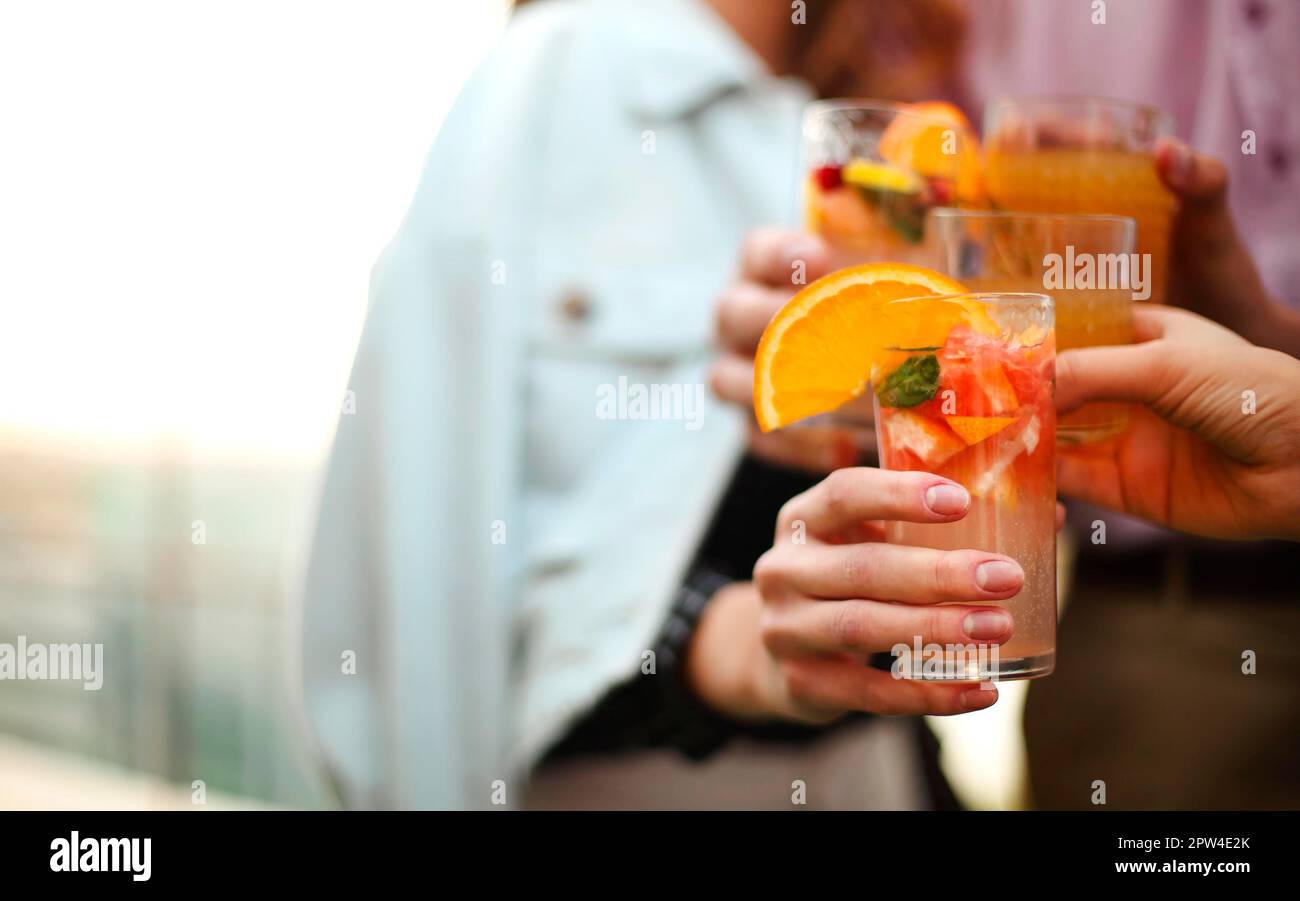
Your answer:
<point x="971" y="367"/>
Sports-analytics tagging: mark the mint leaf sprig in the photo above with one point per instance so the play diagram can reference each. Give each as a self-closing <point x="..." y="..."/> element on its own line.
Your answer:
<point x="911" y="384"/>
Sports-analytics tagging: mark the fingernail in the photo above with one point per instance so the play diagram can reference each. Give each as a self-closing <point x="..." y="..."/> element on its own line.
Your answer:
<point x="1180" y="165"/>
<point x="802" y="249"/>
<point x="978" y="699"/>
<point x="999" y="575"/>
<point x="947" y="499"/>
<point x="986" y="625"/>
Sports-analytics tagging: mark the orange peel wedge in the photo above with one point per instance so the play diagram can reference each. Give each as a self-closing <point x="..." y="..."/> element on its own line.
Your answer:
<point x="821" y="349"/>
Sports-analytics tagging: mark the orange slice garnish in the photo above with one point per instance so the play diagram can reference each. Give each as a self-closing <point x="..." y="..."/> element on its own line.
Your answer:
<point x="974" y="429"/>
<point x="820" y="349"/>
<point x="936" y="140"/>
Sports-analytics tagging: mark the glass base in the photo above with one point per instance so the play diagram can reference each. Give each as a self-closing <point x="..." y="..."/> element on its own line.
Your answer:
<point x="1072" y="437"/>
<point x="971" y="668"/>
<point x="1091" y="424"/>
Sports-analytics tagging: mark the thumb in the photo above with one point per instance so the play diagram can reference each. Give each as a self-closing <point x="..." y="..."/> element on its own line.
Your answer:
<point x="1204" y="229"/>
<point x="1128" y="374"/>
<point x="1198" y="179"/>
<point x="1193" y="387"/>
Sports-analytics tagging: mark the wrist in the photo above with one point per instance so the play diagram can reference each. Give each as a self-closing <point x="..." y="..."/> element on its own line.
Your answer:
<point x="724" y="660"/>
<point x="1281" y="330"/>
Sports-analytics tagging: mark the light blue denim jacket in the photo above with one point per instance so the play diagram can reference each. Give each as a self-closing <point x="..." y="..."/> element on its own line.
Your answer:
<point x="494" y="551"/>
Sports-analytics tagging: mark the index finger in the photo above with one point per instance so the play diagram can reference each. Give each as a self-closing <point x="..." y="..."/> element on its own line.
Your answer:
<point x="1152" y="321"/>
<point x="845" y="498"/>
<point x="773" y="256"/>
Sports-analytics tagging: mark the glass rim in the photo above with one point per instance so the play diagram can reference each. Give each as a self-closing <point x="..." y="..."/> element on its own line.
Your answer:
<point x="828" y="104"/>
<point x="831" y="105"/>
<point x="953" y="212"/>
<point x="1027" y="298"/>
<point x="1127" y="223"/>
<point x="1157" y="113"/>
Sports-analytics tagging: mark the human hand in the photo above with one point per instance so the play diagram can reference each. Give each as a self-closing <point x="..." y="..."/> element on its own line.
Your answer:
<point x="1197" y="456"/>
<point x="774" y="264"/>
<point x="1211" y="271"/>
<point x="793" y="643"/>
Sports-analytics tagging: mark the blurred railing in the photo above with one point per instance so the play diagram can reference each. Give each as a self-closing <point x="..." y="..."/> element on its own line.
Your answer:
<point x="181" y="572"/>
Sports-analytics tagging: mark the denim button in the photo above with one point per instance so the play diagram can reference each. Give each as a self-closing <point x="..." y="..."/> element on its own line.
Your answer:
<point x="575" y="306"/>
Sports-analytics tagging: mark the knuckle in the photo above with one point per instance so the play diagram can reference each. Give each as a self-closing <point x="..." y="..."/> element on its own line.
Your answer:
<point x="949" y="575"/>
<point x="720" y="317"/>
<point x="771" y="629"/>
<point x="936" y="624"/>
<point x="770" y="574"/>
<point x="850" y="628"/>
<point x="796" y="683"/>
<point x="866" y="697"/>
<point x="838" y="492"/>
<point x="723" y="311"/>
<point x="757" y="245"/>
<point x="715" y="379"/>
<point x="941" y="574"/>
<point x="856" y="568"/>
<point x="787" y="516"/>
<point x="724" y="381"/>
<point x="881" y="706"/>
<point x="903" y="489"/>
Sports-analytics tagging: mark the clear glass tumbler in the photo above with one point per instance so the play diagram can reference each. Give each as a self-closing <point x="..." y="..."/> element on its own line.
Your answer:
<point x="871" y="171"/>
<point x="979" y="410"/>
<point x="1083" y="155"/>
<point x="1082" y="262"/>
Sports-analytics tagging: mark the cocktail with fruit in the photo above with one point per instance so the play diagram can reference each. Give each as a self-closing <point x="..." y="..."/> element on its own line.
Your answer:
<point x="873" y="169"/>
<point x="962" y="387"/>
<point x="977" y="408"/>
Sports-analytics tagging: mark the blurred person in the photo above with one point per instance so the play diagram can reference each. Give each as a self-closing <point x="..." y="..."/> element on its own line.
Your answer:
<point x="1158" y="623"/>
<point x="507" y="530"/>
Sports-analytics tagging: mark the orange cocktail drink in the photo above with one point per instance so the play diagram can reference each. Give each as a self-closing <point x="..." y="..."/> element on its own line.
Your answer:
<point x="1083" y="155"/>
<point x="872" y="169"/>
<point x="1082" y="262"/>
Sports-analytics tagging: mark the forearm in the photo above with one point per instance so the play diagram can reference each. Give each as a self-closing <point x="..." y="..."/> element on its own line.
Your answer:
<point x="702" y="689"/>
<point x="702" y="692"/>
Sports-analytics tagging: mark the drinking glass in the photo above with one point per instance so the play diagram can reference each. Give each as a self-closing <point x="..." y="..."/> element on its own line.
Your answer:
<point x="979" y="410"/>
<point x="872" y="169"/>
<point x="1083" y="262"/>
<point x="1083" y="155"/>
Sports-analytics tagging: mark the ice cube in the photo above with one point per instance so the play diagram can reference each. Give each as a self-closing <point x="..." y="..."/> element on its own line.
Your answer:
<point x="1024" y="442"/>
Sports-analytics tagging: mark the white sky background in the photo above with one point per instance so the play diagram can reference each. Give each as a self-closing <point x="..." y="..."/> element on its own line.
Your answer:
<point x="191" y="197"/>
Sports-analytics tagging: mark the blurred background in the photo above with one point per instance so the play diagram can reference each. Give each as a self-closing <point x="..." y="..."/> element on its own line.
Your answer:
<point x="193" y="195"/>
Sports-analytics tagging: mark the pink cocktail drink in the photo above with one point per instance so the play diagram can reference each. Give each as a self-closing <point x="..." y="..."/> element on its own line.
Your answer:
<point x="978" y="409"/>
